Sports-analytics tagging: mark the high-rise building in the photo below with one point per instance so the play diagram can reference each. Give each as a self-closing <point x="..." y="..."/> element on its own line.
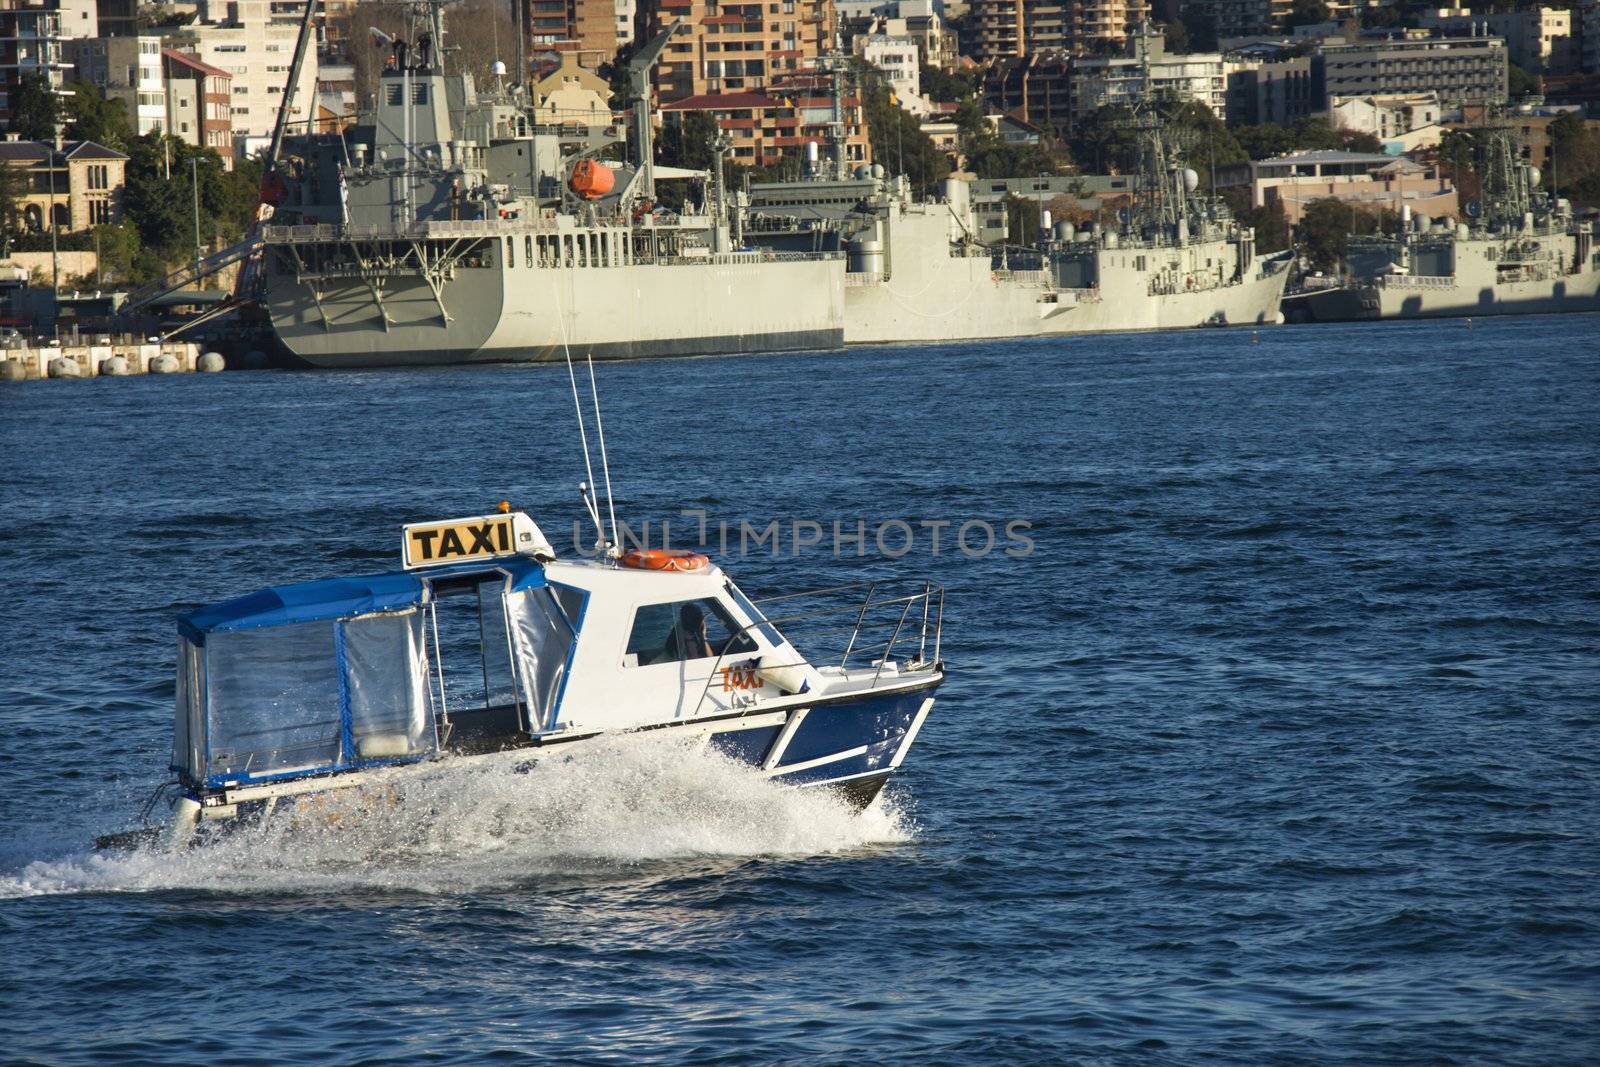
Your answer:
<point x="1020" y="27"/>
<point x="588" y="27"/>
<point x="254" y="41"/>
<point x="199" y="103"/>
<point x="32" y="39"/>
<point x="128" y="69"/>
<point x="1099" y="81"/>
<point x="1461" y="70"/>
<point x="736" y="47"/>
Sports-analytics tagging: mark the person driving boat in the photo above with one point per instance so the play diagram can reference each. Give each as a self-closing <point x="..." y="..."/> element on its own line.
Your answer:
<point x="688" y="639"/>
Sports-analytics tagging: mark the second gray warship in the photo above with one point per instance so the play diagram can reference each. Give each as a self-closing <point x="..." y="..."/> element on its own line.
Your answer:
<point x="915" y="270"/>
<point x="1521" y="251"/>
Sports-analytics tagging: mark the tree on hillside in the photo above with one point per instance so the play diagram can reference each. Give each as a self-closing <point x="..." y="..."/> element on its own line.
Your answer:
<point x="688" y="142"/>
<point x="1519" y="83"/>
<point x="897" y="138"/>
<point x="1270" y="222"/>
<point x="946" y="87"/>
<point x="1264" y="141"/>
<point x="13" y="187"/>
<point x="1200" y="27"/>
<point x="159" y="196"/>
<point x="1327" y="226"/>
<point x="1308" y="13"/>
<point x="91" y="116"/>
<point x="1104" y="143"/>
<point x="1176" y="36"/>
<point x="1574" y="170"/>
<point x="35" y="109"/>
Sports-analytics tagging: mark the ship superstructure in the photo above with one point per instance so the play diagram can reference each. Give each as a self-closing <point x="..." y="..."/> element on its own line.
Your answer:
<point x="456" y="226"/>
<point x="1520" y="251"/>
<point x="915" y="270"/>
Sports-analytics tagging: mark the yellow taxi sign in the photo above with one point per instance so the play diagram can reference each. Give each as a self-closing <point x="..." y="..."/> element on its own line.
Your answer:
<point x="477" y="537"/>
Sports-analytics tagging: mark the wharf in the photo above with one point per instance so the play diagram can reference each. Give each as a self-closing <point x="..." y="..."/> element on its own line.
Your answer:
<point x="110" y="358"/>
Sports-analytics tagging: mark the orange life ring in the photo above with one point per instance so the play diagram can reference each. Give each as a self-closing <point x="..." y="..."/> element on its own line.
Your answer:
<point x="665" y="559"/>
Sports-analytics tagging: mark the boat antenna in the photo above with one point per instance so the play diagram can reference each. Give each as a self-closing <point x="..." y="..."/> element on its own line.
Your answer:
<point x="583" y="438"/>
<point x="584" y="488"/>
<point x="605" y="464"/>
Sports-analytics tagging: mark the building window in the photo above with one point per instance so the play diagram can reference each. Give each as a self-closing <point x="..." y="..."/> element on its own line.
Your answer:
<point x="99" y="212"/>
<point x="98" y="177"/>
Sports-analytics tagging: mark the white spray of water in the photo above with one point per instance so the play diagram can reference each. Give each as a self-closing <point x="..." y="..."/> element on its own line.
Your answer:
<point x="606" y="804"/>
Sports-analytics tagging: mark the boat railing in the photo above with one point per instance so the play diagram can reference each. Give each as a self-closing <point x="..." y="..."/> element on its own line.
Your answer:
<point x="863" y="277"/>
<point x="899" y="619"/>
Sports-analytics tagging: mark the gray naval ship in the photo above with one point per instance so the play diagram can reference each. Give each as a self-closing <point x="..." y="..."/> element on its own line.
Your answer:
<point x="915" y="270"/>
<point x="1520" y="252"/>
<point x="455" y="227"/>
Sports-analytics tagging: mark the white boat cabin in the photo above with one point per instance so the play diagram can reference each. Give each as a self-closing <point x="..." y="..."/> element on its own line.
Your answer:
<point x="482" y="646"/>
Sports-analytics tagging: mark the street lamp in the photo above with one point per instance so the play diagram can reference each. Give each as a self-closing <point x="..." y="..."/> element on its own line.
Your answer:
<point x="194" y="184"/>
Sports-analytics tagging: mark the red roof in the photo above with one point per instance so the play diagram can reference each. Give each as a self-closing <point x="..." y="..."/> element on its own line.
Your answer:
<point x="195" y="64"/>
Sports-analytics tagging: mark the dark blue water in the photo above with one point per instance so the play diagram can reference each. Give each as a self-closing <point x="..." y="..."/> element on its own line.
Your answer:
<point x="1279" y="748"/>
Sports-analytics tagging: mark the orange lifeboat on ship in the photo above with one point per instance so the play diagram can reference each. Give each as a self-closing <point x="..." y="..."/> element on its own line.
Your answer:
<point x="665" y="559"/>
<point x="592" y="180"/>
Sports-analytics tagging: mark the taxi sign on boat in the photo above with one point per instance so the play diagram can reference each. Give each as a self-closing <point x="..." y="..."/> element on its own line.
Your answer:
<point x="476" y="537"/>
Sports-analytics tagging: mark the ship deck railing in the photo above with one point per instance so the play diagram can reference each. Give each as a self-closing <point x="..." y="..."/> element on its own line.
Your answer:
<point x="1024" y="277"/>
<point x="1414" y="281"/>
<point x="730" y="259"/>
<point x="329" y="231"/>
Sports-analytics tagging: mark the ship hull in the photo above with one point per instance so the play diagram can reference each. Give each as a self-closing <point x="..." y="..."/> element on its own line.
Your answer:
<point x="1580" y="292"/>
<point x="1516" y="274"/>
<point x="927" y="294"/>
<point x="497" y="314"/>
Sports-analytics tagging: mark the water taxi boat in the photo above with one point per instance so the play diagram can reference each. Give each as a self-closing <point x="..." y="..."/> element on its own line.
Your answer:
<point x="485" y="646"/>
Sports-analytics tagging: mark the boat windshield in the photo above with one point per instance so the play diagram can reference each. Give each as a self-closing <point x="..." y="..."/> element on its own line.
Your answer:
<point x="751" y="612"/>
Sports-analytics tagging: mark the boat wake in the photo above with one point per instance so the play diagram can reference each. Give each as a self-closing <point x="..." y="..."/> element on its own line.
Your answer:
<point x="609" y="804"/>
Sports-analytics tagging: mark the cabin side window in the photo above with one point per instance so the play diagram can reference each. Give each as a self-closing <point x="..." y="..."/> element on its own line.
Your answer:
<point x="274" y="699"/>
<point x="684" y="630"/>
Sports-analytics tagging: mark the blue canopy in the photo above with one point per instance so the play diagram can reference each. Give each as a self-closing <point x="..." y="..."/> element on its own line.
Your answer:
<point x="343" y="598"/>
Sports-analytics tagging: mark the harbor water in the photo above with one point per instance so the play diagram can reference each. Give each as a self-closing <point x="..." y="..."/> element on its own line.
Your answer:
<point x="1277" y="747"/>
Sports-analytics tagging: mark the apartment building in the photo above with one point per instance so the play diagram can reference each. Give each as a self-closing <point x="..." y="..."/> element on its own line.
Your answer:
<point x="1541" y="40"/>
<point x="738" y="47"/>
<point x="128" y="69"/>
<point x="1122" y="81"/>
<point x="253" y="41"/>
<point x="588" y="27"/>
<point x="1020" y="27"/>
<point x="32" y="39"/>
<point x="1277" y="90"/>
<point x="199" y="103"/>
<point x="768" y="126"/>
<point x="899" y="59"/>
<point x="1460" y="70"/>
<point x="1385" y="117"/>
<point x="626" y="11"/>
<point x="1037" y="86"/>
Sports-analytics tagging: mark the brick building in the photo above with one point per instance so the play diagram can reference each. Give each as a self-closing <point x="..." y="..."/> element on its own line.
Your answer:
<point x="730" y="48"/>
